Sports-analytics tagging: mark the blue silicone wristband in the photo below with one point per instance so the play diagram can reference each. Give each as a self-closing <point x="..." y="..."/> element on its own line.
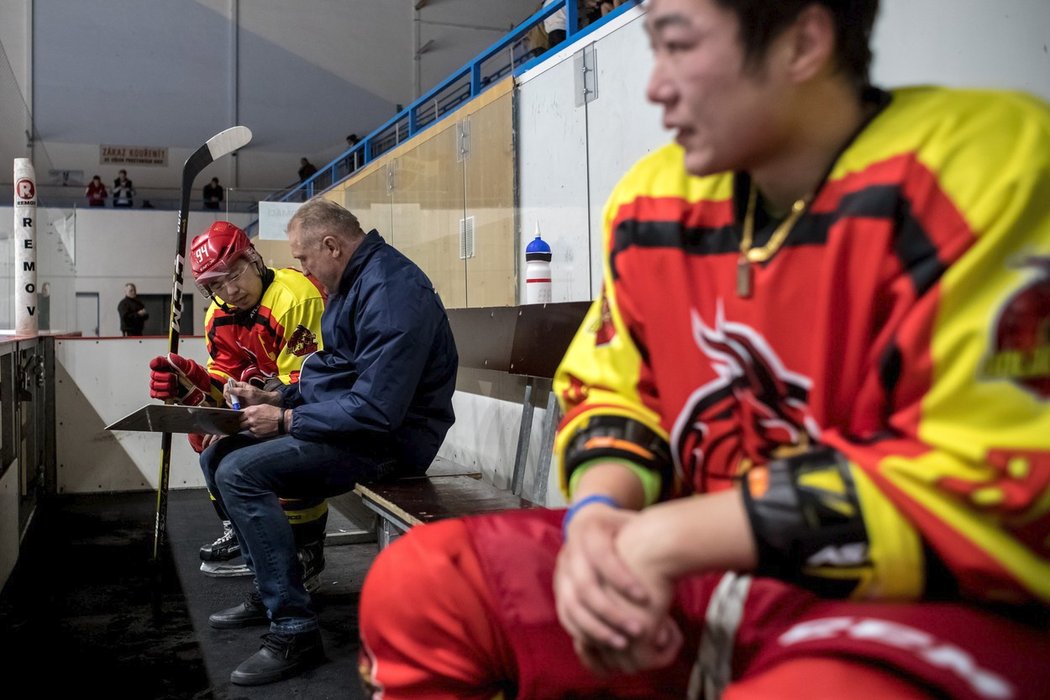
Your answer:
<point x="582" y="503"/>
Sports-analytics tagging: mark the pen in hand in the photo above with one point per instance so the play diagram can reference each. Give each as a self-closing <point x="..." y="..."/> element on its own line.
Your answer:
<point x="234" y="403"/>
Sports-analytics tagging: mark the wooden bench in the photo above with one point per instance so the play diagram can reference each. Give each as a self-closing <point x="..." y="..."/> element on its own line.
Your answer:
<point x="527" y="341"/>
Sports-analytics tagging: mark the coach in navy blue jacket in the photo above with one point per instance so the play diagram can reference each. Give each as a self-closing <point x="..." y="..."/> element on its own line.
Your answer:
<point x="374" y="403"/>
<point x="388" y="368"/>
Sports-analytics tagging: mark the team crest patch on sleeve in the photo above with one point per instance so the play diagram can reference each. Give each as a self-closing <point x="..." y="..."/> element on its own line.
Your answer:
<point x="302" y="342"/>
<point x="1020" y="339"/>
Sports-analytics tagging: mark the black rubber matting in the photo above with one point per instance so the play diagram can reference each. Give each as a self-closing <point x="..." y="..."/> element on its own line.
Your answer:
<point x="191" y="523"/>
<point x="84" y="611"/>
<point x="80" y="615"/>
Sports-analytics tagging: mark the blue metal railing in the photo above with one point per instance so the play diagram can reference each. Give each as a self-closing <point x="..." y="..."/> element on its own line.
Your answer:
<point x="509" y="54"/>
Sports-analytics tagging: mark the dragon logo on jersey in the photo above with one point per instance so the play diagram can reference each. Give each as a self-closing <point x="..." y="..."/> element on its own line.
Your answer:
<point x="756" y="408"/>
<point x="302" y="342"/>
<point x="1020" y="349"/>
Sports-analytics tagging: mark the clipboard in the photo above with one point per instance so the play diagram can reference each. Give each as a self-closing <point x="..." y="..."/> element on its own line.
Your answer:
<point x="171" y="418"/>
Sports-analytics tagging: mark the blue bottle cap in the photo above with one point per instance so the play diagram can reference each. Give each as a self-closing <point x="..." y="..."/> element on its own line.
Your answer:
<point x="538" y="245"/>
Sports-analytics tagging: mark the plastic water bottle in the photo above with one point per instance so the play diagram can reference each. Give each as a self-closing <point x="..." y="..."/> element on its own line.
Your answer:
<point x="538" y="271"/>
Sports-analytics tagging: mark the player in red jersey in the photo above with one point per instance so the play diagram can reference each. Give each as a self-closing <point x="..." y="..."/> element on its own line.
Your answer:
<point x="806" y="435"/>
<point x="261" y="325"/>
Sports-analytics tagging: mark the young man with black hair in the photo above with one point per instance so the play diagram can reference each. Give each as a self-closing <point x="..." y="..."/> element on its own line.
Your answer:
<point x="806" y="437"/>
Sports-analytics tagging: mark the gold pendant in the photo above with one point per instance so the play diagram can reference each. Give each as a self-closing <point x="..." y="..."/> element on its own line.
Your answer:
<point x="743" y="277"/>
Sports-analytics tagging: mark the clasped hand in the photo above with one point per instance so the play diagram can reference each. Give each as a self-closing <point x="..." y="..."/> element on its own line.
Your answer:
<point x="611" y="601"/>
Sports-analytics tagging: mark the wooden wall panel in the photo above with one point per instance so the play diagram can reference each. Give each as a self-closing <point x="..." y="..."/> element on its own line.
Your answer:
<point x="489" y="198"/>
<point x="275" y="253"/>
<point x="428" y="201"/>
<point x="417" y="194"/>
<point x="369" y="199"/>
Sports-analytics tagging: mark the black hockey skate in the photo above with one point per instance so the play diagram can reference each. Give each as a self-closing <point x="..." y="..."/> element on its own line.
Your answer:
<point x="311" y="556"/>
<point x="223" y="549"/>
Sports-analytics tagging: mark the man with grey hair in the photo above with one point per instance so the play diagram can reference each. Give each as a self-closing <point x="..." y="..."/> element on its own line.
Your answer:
<point x="374" y="404"/>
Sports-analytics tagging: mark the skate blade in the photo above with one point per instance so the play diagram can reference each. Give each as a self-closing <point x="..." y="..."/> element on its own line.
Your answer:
<point x="224" y="569"/>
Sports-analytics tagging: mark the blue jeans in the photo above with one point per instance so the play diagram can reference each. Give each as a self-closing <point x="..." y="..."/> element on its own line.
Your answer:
<point x="245" y="474"/>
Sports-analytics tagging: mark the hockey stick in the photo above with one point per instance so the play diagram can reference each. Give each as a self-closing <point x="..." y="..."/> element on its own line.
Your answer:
<point x="216" y="147"/>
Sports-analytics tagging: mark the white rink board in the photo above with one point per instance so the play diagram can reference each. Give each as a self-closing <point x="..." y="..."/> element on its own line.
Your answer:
<point x="552" y="171"/>
<point x="623" y="125"/>
<point x="567" y="152"/>
<point x="964" y="43"/>
<point x="99" y="380"/>
<point x="485" y="435"/>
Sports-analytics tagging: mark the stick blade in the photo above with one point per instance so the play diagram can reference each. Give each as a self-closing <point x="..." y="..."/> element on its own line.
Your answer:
<point x="228" y="141"/>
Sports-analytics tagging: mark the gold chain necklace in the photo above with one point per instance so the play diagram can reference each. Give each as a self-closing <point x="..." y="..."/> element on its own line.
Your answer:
<point x="761" y="254"/>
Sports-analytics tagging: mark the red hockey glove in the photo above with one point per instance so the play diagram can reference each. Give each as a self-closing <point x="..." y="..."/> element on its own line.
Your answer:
<point x="259" y="379"/>
<point x="174" y="378"/>
<point x="253" y="375"/>
<point x="197" y="442"/>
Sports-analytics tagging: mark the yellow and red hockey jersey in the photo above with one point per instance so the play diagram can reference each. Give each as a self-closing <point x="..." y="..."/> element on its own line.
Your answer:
<point x="905" y="322"/>
<point x="273" y="340"/>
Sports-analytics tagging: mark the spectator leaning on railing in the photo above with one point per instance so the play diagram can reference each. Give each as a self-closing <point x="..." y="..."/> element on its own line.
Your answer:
<point x="123" y="191"/>
<point x="96" y="192"/>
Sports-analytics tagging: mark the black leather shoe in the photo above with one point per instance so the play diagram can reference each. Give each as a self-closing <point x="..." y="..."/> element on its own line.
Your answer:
<point x="250" y="612"/>
<point x="281" y="656"/>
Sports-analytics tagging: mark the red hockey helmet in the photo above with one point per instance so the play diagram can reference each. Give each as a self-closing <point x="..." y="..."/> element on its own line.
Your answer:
<point x="214" y="252"/>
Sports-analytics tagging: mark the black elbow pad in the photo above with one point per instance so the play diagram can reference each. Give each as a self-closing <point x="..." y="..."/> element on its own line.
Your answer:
<point x="621" y="438"/>
<point x="807" y="522"/>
